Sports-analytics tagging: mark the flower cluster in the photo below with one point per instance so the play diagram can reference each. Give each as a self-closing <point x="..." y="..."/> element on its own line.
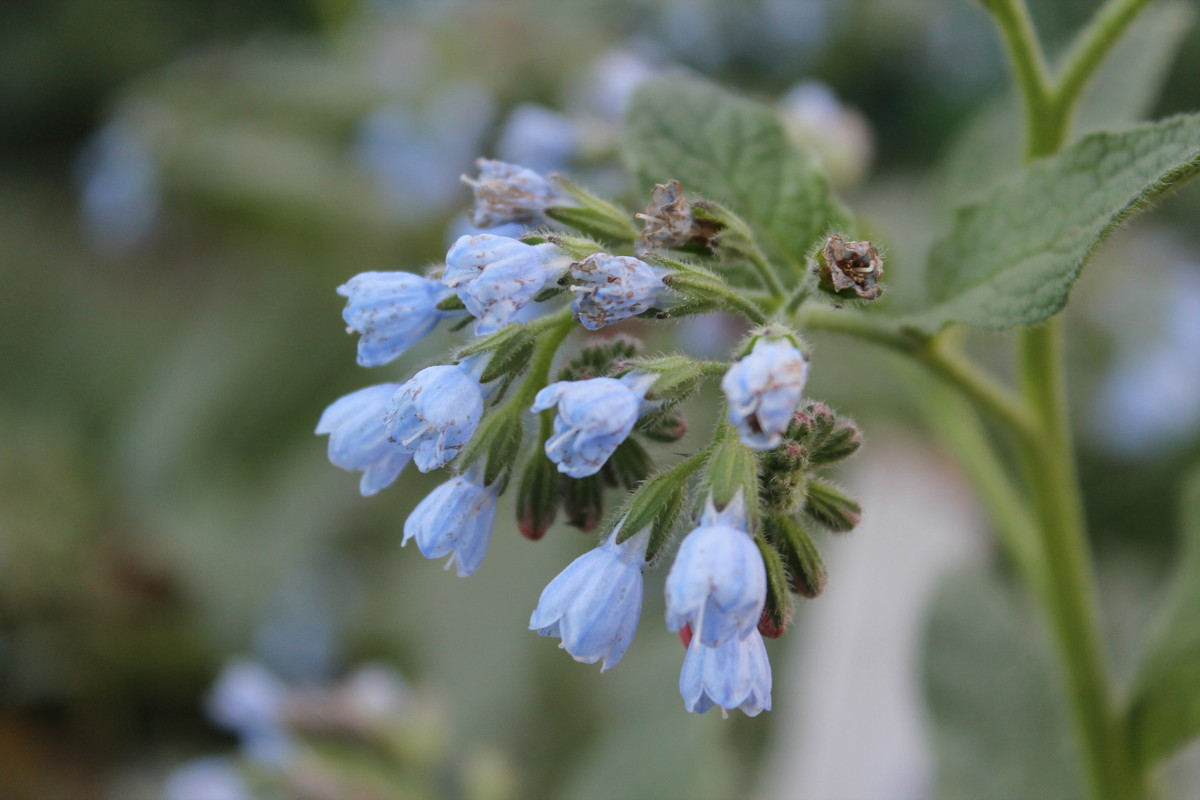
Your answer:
<point x="752" y="487"/>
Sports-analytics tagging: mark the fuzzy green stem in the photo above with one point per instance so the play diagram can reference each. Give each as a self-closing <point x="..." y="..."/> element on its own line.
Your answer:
<point x="558" y="326"/>
<point x="978" y="386"/>
<point x="1028" y="66"/>
<point x="1086" y="56"/>
<point x="1072" y="605"/>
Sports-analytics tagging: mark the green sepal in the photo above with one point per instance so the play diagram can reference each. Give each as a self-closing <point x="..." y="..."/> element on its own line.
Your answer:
<point x="628" y="466"/>
<point x="805" y="568"/>
<point x="777" y="613"/>
<point x="451" y="303"/>
<point x="676" y="377"/>
<point x="657" y="504"/>
<point x="831" y="507"/>
<point x="582" y="501"/>
<point x="549" y="293"/>
<point x="732" y="469"/>
<point x="497" y="442"/>
<point x="537" y="490"/>
<point x="599" y="357"/>
<point x="577" y="247"/>
<point x="665" y="425"/>
<point x="843" y="442"/>
<point x="594" y="215"/>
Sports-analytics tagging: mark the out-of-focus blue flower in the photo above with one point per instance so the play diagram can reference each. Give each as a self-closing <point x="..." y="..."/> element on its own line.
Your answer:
<point x="839" y="136"/>
<point x="612" y="288"/>
<point x="496" y="276"/>
<point x="718" y="584"/>
<point x="434" y="414"/>
<point x="606" y="86"/>
<point x="358" y="437"/>
<point x="208" y="778"/>
<point x="509" y="193"/>
<point x="415" y="156"/>
<point x="594" y="417"/>
<point x="737" y="674"/>
<point x="763" y="390"/>
<point x="120" y="195"/>
<point x="456" y="518"/>
<point x="594" y="604"/>
<point x="249" y="700"/>
<point x="392" y="310"/>
<point x="538" y="137"/>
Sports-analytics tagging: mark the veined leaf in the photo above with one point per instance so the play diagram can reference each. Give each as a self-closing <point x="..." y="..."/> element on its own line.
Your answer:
<point x="1011" y="259"/>
<point x="734" y="151"/>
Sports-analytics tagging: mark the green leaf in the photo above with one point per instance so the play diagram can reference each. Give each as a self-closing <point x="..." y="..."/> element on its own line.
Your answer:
<point x="732" y="468"/>
<point x="1011" y="259"/>
<point x="1165" y="709"/>
<point x="999" y="718"/>
<point x="1122" y="92"/>
<point x="732" y="150"/>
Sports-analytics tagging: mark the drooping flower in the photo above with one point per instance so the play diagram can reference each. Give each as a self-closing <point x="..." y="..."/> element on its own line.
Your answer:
<point x="392" y="311"/>
<point x="358" y="437"/>
<point x="717" y="584"/>
<point x="594" y="417"/>
<point x="609" y="289"/>
<point x="509" y="193"/>
<point x="736" y="674"/>
<point x="764" y="390"/>
<point x="594" y="604"/>
<point x="455" y="518"/>
<point x="434" y="414"/>
<point x="496" y="276"/>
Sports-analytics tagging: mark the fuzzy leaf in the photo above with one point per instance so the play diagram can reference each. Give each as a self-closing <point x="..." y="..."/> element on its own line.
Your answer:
<point x="1165" y="710"/>
<point x="1011" y="259"/>
<point x="732" y="150"/>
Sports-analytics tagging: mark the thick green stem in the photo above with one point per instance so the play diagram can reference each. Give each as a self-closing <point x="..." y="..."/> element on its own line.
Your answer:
<point x="933" y="352"/>
<point x="1086" y="55"/>
<point x="1029" y="68"/>
<point x="1072" y="604"/>
<point x="559" y="327"/>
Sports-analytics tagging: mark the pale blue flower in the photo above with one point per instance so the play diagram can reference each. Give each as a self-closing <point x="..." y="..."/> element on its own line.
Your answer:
<point x="509" y="193"/>
<point x="208" y="778"/>
<point x="718" y="584"/>
<point x="737" y="674"/>
<point x="496" y="276"/>
<point x="594" y="604"/>
<point x="358" y="437"/>
<point x="609" y="289"/>
<point x="455" y="519"/>
<point x="434" y="414"/>
<point x="249" y="700"/>
<point x="120" y="187"/>
<point x="764" y="389"/>
<point x="392" y="310"/>
<point x="539" y="137"/>
<point x="594" y="417"/>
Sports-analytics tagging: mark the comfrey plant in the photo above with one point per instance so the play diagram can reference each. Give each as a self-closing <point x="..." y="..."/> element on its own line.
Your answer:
<point x="737" y="219"/>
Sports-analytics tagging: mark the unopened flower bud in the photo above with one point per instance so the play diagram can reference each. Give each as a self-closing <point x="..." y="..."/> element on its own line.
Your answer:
<point x="582" y="501"/>
<point x="537" y="497"/>
<point x="850" y="267"/>
<point x="831" y="507"/>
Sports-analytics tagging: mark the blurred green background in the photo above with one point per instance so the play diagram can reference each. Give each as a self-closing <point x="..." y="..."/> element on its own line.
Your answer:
<point x="182" y="186"/>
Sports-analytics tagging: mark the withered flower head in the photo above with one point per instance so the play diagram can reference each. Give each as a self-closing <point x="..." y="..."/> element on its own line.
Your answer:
<point x="856" y="266"/>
